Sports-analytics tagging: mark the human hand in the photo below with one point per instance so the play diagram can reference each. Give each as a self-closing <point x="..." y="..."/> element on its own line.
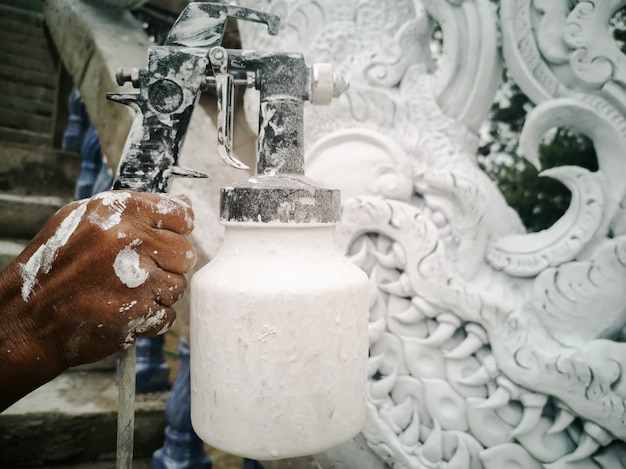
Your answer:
<point x="100" y="273"/>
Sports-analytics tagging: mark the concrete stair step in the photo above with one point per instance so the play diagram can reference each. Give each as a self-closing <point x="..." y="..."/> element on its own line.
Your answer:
<point x="24" y="137"/>
<point x="23" y="8"/>
<point x="9" y="249"/>
<point x="28" y="171"/>
<point x="38" y="93"/>
<point x="19" y="22"/>
<point x="29" y="35"/>
<point x="23" y="216"/>
<point x="37" y="60"/>
<point x="38" y="53"/>
<point x="26" y="120"/>
<point x="18" y="103"/>
<point x="71" y="422"/>
<point x="27" y="77"/>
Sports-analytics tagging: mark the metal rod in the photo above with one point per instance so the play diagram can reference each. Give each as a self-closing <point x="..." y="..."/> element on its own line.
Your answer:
<point x="248" y="82"/>
<point x="126" y="409"/>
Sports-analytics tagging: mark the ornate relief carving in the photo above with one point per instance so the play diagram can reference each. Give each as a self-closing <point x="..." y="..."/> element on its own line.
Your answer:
<point x="596" y="58"/>
<point x="489" y="346"/>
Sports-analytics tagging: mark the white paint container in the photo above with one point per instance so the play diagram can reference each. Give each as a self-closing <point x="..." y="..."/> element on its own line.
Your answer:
<point x="279" y="342"/>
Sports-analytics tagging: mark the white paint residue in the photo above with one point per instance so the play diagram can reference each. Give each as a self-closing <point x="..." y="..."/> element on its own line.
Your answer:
<point x="165" y="328"/>
<point x="144" y="324"/>
<point x="42" y="259"/>
<point x="127" y="306"/>
<point x="121" y="235"/>
<point x="189" y="221"/>
<point x="191" y="255"/>
<point x="127" y="266"/>
<point x="116" y="201"/>
<point x="169" y="204"/>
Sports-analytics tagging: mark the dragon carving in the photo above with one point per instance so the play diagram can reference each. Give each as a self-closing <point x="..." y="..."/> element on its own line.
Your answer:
<point x="489" y="346"/>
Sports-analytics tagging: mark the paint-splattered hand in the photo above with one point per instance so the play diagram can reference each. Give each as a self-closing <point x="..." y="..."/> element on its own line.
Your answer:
<point x="101" y="272"/>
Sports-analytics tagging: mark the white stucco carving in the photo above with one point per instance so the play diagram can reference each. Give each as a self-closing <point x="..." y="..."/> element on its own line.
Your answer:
<point x="489" y="347"/>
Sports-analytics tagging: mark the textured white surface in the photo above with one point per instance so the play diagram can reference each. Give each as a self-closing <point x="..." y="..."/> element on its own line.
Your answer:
<point x="278" y="343"/>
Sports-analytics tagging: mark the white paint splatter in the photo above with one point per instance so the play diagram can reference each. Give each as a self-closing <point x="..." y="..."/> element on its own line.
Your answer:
<point x="166" y="328"/>
<point x="116" y="201"/>
<point x="42" y="259"/>
<point x="121" y="235"/>
<point x="127" y="306"/>
<point x="127" y="266"/>
<point x="167" y="204"/>
<point x="146" y="323"/>
<point x="170" y="204"/>
<point x="192" y="256"/>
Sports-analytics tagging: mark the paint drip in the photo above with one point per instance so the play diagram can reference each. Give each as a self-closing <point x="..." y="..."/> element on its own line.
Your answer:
<point x="43" y="258"/>
<point x="146" y="323"/>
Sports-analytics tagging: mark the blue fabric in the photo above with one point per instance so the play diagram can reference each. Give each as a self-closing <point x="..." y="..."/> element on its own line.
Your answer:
<point x="92" y="166"/>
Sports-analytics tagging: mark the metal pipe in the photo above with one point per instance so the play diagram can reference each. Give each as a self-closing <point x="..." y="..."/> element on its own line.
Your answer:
<point x="126" y="408"/>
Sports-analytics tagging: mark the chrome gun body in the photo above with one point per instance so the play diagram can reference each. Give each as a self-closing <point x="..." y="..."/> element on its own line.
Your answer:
<point x="169" y="89"/>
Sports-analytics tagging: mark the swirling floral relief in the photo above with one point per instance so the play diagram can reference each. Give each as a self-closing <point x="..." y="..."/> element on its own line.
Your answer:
<point x="596" y="58"/>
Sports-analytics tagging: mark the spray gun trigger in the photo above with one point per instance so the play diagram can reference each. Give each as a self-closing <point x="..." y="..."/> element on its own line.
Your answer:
<point x="202" y="24"/>
<point x="229" y="159"/>
<point x="224" y="87"/>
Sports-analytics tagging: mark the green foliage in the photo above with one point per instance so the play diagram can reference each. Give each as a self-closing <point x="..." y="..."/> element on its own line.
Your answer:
<point x="540" y="201"/>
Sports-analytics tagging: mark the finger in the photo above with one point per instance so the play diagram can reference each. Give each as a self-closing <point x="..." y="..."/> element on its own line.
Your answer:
<point x="170" y="251"/>
<point x="169" y="319"/>
<point x="108" y="208"/>
<point x="157" y="320"/>
<point x="166" y="211"/>
<point x="185" y="199"/>
<point x="167" y="288"/>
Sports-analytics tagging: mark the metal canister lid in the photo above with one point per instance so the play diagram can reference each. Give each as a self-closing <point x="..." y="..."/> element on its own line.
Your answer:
<point x="280" y="198"/>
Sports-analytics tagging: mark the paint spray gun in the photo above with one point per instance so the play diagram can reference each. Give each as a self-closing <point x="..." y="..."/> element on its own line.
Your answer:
<point x="191" y="60"/>
<point x="169" y="88"/>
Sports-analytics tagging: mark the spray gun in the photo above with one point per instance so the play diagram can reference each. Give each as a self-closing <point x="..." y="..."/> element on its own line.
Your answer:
<point x="169" y="89"/>
<point x="278" y="197"/>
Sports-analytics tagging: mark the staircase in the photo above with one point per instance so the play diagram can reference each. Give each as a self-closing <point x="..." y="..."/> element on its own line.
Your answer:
<point x="27" y="74"/>
<point x="35" y="179"/>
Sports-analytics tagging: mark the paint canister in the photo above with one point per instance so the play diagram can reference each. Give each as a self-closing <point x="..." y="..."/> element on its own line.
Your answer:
<point x="279" y="319"/>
